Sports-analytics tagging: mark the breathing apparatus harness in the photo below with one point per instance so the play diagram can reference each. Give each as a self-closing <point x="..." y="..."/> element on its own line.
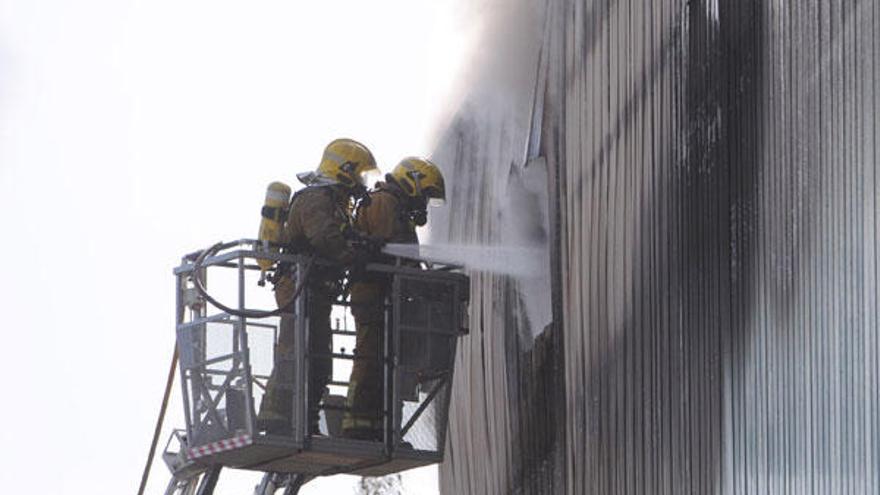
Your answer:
<point x="412" y="209"/>
<point x="274" y="214"/>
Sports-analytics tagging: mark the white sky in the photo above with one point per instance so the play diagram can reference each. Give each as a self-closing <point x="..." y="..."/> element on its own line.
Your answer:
<point x="134" y="131"/>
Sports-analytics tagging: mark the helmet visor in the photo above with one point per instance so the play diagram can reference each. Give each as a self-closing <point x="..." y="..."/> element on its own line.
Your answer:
<point x="436" y="195"/>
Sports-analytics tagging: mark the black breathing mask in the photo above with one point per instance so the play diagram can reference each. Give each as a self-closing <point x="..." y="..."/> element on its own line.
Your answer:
<point x="418" y="211"/>
<point x="419" y="217"/>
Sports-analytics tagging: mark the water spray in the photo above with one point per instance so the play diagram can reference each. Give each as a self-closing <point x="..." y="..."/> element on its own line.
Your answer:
<point x="517" y="261"/>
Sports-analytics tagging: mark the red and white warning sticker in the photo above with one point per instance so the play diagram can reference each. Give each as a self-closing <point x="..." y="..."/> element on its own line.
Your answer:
<point x="220" y="446"/>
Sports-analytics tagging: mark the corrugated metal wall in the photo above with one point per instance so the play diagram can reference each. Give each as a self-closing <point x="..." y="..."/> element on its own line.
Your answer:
<point x="711" y="176"/>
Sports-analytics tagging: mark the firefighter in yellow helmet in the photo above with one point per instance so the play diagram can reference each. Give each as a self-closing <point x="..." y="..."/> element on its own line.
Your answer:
<point x="317" y="220"/>
<point x="395" y="208"/>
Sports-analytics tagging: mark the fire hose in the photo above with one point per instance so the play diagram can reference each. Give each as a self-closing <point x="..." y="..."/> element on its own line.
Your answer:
<point x="245" y="313"/>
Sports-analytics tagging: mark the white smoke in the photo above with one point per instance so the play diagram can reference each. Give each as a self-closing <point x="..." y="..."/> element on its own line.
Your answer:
<point x="488" y="148"/>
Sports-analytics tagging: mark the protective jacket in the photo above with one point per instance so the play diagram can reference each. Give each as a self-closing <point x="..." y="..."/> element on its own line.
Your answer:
<point x="386" y="217"/>
<point x="315" y="224"/>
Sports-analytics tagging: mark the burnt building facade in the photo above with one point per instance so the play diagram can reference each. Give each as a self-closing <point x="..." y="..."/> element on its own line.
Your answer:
<point x="702" y="176"/>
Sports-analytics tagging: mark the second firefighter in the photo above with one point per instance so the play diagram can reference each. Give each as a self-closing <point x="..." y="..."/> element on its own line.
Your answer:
<point x="395" y="208"/>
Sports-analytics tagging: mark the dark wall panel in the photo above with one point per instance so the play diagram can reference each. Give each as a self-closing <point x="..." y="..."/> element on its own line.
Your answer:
<point x="711" y="191"/>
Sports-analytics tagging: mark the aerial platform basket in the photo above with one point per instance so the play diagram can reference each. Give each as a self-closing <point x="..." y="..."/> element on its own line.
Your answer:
<point x="227" y="357"/>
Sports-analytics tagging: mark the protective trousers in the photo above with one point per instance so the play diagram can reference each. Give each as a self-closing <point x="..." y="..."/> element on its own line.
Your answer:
<point x="277" y="402"/>
<point x="365" y="390"/>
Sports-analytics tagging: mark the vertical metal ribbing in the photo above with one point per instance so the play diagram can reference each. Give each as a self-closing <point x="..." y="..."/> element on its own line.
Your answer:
<point x="577" y="462"/>
<point x="855" y="440"/>
<point x="802" y="44"/>
<point x="794" y="372"/>
<point x="841" y="251"/>
<point x="653" y="55"/>
<point x="718" y="274"/>
<point x="614" y="225"/>
<point x="873" y="163"/>
<point x="832" y="227"/>
<point x="638" y="470"/>
<point x="587" y="170"/>
<point x="860" y="342"/>
<point x="799" y="172"/>
<point x="770" y="212"/>
<point x="814" y="89"/>
<point x="666" y="33"/>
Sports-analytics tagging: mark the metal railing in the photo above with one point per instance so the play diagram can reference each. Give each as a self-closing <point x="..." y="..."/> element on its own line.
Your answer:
<point x="226" y="357"/>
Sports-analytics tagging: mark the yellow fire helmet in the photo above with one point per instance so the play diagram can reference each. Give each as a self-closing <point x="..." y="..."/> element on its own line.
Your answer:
<point x="345" y="162"/>
<point x="420" y="179"/>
